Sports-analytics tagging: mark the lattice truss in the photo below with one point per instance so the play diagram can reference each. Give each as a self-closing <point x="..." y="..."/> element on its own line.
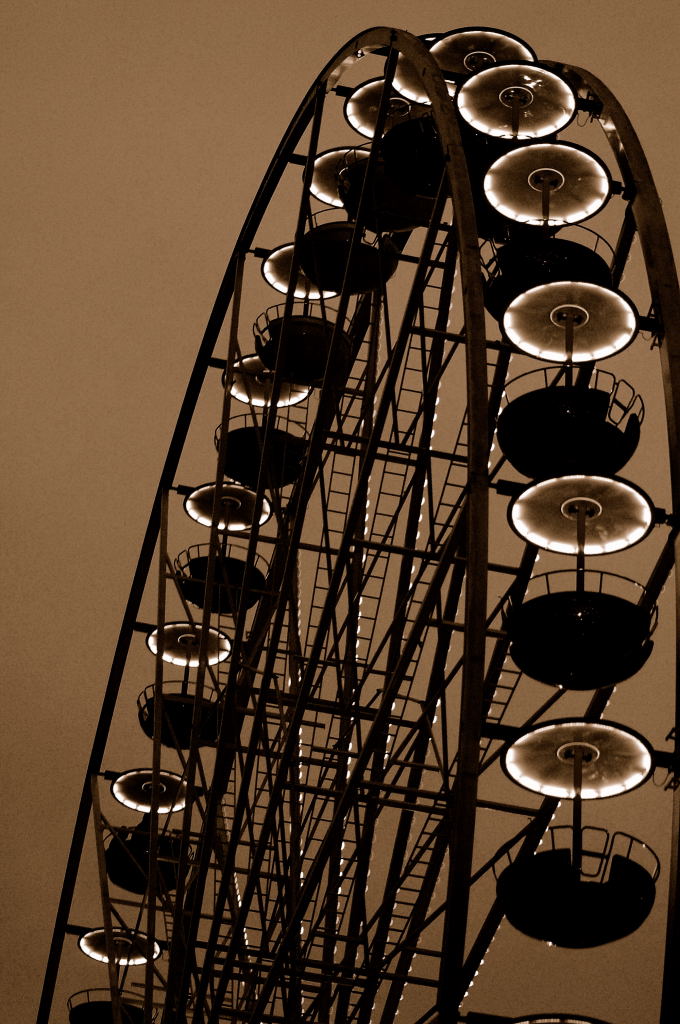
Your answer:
<point x="315" y="875"/>
<point x="350" y="733"/>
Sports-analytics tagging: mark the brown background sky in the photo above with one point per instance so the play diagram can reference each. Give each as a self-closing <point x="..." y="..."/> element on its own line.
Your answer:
<point x="135" y="135"/>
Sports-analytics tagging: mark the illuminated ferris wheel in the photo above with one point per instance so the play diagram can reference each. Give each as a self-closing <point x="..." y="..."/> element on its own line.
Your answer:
<point x="365" y="701"/>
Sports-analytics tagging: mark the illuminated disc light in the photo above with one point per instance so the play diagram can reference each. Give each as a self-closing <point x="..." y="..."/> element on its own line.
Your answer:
<point x="181" y="644"/>
<point x="133" y="789"/>
<point x="324" y="184"/>
<point x="463" y="52"/>
<point x="468" y="50"/>
<point x="615" y="759"/>
<point x="130" y="950"/>
<point x="276" y="269"/>
<point x="619" y="514"/>
<point x="545" y="102"/>
<point x="237" y="505"/>
<point x="532" y="321"/>
<point x="253" y="384"/>
<point x="582" y="183"/>
<point x="361" y="108"/>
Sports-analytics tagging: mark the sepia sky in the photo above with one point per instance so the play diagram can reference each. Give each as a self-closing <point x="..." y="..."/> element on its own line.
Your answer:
<point x="136" y="134"/>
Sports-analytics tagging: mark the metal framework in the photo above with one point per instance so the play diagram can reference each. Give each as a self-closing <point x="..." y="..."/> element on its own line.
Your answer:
<point x="328" y="852"/>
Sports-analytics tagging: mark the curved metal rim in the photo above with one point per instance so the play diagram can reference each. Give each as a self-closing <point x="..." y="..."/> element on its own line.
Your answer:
<point x="416" y="51"/>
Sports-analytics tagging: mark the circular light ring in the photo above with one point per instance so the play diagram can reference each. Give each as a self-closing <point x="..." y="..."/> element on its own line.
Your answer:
<point x="181" y="644"/>
<point x="237" y="504"/>
<point x="130" y="949"/>
<point x="616" y="759"/>
<point x="456" y="52"/>
<point x="461" y="53"/>
<point x="540" y="514"/>
<point x="253" y="384"/>
<point x="362" y="106"/>
<point x="547" y="101"/>
<point x="610" y="321"/>
<point x="512" y="188"/>
<point x="276" y="270"/>
<point x="327" y="167"/>
<point x="134" y="789"/>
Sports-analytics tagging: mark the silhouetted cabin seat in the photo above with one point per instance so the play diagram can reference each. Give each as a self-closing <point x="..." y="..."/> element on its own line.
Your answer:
<point x="235" y="581"/>
<point x="413" y="157"/>
<point x="481" y="151"/>
<point x="580" y="641"/>
<point x="388" y="206"/>
<point x="178" y="703"/>
<point x="324" y="254"/>
<point x="307" y="347"/>
<point x="127" y="859"/>
<point x="556" y="431"/>
<point x="96" y="1008"/>
<point x="544" y="898"/>
<point x="413" y="164"/>
<point x="286" y="453"/>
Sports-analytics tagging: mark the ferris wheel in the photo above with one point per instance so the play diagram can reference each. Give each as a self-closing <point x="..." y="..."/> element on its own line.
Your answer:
<point x="365" y="700"/>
